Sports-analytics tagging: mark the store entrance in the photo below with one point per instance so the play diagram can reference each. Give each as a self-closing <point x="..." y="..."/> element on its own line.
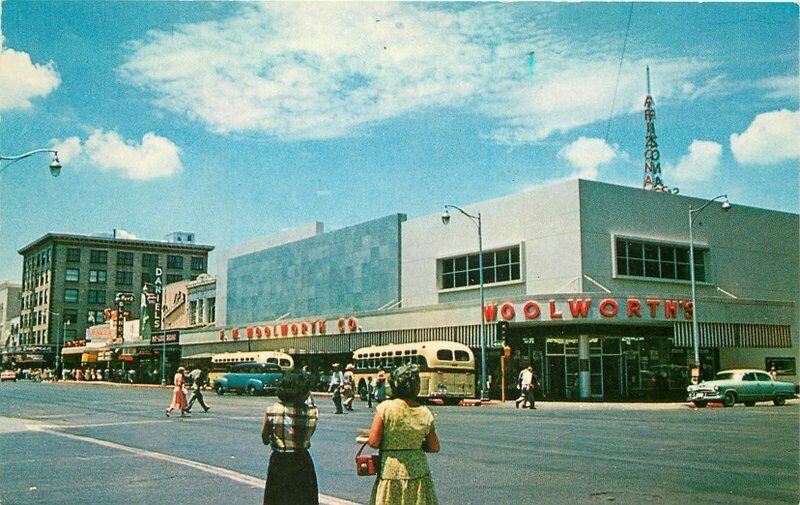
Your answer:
<point x="562" y="378"/>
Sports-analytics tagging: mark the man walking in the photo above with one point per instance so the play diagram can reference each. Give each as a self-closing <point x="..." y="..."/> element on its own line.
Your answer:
<point x="200" y="378"/>
<point x="526" y="388"/>
<point x="337" y="382"/>
<point x="349" y="387"/>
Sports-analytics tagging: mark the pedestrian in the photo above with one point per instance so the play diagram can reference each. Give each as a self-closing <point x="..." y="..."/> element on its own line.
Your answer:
<point x="380" y="385"/>
<point x="200" y="379"/>
<point x="370" y="385"/>
<point x="773" y="372"/>
<point x="403" y="430"/>
<point x="178" y="397"/>
<point x="289" y="424"/>
<point x="526" y="388"/>
<point x="348" y="391"/>
<point x="335" y="387"/>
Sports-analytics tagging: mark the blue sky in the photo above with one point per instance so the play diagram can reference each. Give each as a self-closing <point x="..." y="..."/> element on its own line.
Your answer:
<point x="237" y="120"/>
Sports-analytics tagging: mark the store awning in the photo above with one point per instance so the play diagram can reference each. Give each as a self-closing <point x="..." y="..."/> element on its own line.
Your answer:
<point x="73" y="350"/>
<point x="733" y="335"/>
<point x="204" y="355"/>
<point x="125" y="357"/>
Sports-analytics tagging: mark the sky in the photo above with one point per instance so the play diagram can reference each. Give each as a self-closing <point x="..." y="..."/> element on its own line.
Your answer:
<point x="237" y="120"/>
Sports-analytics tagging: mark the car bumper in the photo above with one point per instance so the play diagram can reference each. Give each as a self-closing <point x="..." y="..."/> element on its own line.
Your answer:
<point x="705" y="396"/>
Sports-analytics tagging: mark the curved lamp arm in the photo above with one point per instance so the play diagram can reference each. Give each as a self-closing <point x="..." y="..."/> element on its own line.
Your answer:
<point x="476" y="219"/>
<point x="725" y="204"/>
<point x="55" y="165"/>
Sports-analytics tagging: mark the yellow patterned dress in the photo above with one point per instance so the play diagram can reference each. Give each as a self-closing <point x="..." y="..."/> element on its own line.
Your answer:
<point x="405" y="478"/>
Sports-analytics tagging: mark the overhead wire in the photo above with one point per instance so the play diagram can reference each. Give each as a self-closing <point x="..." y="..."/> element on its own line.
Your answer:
<point x="619" y="72"/>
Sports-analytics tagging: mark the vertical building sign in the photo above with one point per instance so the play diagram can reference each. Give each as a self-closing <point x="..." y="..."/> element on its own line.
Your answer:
<point x="158" y="295"/>
<point x="652" y="156"/>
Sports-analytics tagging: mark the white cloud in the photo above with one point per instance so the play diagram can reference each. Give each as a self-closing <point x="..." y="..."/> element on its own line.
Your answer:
<point x="152" y="158"/>
<point x="21" y="80"/>
<point x="586" y="155"/>
<point x="780" y="87"/>
<point x="120" y="233"/>
<point x="772" y="137"/>
<point x="303" y="71"/>
<point x="68" y="149"/>
<point x="699" y="163"/>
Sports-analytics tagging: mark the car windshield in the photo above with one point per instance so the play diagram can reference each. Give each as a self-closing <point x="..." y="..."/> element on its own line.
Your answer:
<point x="723" y="376"/>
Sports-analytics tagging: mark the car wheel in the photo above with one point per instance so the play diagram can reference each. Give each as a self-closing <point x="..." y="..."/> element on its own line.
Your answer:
<point x="730" y="399"/>
<point x="700" y="404"/>
<point x="779" y="400"/>
<point x="251" y="390"/>
<point x="220" y="390"/>
<point x="749" y="404"/>
<point x="239" y="392"/>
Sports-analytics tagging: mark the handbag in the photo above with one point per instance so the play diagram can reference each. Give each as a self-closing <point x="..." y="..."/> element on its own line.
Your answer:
<point x="367" y="464"/>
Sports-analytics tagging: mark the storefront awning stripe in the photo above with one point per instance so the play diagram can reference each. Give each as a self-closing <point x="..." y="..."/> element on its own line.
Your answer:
<point x="718" y="335"/>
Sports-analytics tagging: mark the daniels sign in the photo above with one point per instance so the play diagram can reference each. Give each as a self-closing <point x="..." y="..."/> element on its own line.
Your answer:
<point x="589" y="308"/>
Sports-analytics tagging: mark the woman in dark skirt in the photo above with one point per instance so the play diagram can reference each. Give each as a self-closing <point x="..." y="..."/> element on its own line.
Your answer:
<point x="288" y="426"/>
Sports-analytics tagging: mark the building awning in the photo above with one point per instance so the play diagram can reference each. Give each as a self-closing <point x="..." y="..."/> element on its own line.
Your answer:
<point x="89" y="357"/>
<point x="204" y="355"/>
<point x="73" y="350"/>
<point x="734" y="335"/>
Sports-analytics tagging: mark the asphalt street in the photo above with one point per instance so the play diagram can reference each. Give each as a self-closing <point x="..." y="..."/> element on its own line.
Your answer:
<point x="100" y="444"/>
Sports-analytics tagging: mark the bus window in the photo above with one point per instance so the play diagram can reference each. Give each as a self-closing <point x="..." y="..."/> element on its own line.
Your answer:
<point x="444" y="355"/>
<point x="462" y="356"/>
<point x="284" y="362"/>
<point x="272" y="360"/>
<point x="422" y="362"/>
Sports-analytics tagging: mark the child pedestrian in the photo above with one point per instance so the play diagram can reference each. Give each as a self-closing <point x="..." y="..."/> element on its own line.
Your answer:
<point x="288" y="426"/>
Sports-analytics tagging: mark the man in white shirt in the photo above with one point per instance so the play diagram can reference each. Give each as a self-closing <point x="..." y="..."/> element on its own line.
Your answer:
<point x="337" y="381"/>
<point x="527" y="381"/>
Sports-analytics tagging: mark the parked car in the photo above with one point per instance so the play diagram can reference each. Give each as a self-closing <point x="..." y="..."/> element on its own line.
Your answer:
<point x="8" y="375"/>
<point x="741" y="386"/>
<point x="250" y="378"/>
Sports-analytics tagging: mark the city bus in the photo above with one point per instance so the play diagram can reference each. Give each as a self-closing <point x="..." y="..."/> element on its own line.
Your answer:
<point x="446" y="368"/>
<point x="221" y="363"/>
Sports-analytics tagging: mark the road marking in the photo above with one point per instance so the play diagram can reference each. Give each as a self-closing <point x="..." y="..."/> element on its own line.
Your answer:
<point x="120" y="423"/>
<point x="217" y="471"/>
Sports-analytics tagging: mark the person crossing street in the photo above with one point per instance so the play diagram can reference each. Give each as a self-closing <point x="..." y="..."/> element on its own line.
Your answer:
<point x="337" y="382"/>
<point x="200" y="379"/>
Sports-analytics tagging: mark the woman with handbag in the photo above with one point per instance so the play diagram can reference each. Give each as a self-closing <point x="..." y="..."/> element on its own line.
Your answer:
<point x="403" y="430"/>
<point x="288" y="426"/>
<point x="178" y="396"/>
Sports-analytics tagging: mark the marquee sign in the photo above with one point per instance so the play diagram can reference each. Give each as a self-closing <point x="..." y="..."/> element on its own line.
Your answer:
<point x="587" y="308"/>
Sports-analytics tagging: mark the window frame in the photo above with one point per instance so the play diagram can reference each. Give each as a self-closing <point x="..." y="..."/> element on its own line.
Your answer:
<point x="125" y="258"/>
<point x="77" y="276"/>
<point x="501" y="266"/>
<point x="667" y="253"/>
<point x="98" y="256"/>
<point x="175" y="262"/>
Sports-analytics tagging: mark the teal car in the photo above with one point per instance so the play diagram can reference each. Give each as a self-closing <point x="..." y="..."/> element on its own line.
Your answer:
<point x="730" y="387"/>
<point x="250" y="378"/>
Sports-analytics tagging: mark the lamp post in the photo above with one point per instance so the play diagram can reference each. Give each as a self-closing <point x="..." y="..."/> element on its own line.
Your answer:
<point x="55" y="165"/>
<point x="477" y="220"/>
<point x="695" y="333"/>
<point x="58" y="347"/>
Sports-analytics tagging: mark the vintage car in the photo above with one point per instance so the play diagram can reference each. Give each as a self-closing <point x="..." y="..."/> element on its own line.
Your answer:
<point x="741" y="386"/>
<point x="8" y="375"/>
<point x="250" y="378"/>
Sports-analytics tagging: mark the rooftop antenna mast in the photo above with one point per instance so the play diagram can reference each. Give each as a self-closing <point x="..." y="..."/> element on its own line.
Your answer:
<point x="652" y="165"/>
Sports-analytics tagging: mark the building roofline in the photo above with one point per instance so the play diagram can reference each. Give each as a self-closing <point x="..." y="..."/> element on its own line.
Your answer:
<point x="88" y="239"/>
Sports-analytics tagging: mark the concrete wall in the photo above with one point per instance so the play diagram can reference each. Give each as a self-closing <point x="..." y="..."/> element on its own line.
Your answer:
<point x="348" y="270"/>
<point x="312" y="229"/>
<point x="544" y="221"/>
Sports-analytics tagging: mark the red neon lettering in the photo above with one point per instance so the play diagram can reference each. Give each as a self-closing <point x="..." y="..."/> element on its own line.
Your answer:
<point x="249" y="332"/>
<point x="507" y="311"/>
<point x="304" y="327"/>
<point x="295" y="329"/>
<point x="490" y="312"/>
<point x="634" y="307"/>
<point x="222" y="335"/>
<point x="267" y="332"/>
<point x="653" y="304"/>
<point x="608" y="307"/>
<point x="352" y="324"/>
<point x="580" y="307"/>
<point x="340" y="325"/>
<point x="688" y="312"/>
<point x="235" y="333"/>
<point x="531" y="310"/>
<point x="553" y="313"/>
<point x="258" y="331"/>
<point x="284" y="329"/>
<point x="670" y="309"/>
<point x="321" y="327"/>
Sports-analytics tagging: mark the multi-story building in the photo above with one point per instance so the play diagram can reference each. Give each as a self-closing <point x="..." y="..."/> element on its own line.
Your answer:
<point x="10" y="305"/>
<point x="69" y="280"/>
<point x="592" y="279"/>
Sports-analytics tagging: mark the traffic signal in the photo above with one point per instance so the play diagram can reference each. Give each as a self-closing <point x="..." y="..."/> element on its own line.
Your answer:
<point x="502" y="331"/>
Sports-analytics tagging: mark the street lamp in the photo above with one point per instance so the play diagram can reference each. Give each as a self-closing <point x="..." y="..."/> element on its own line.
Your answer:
<point x="726" y="205"/>
<point x="477" y="220"/>
<point x="55" y="165"/>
